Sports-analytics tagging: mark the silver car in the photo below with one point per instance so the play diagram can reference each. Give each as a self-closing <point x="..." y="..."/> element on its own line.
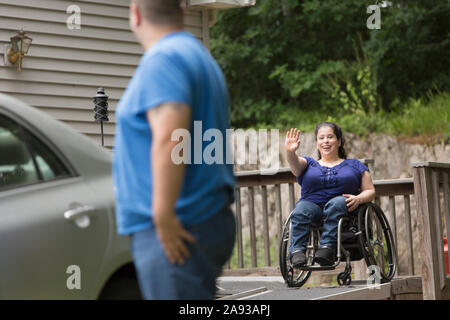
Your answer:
<point x="58" y="235"/>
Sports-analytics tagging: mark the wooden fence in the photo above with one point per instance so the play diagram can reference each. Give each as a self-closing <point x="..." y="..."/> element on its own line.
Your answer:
<point x="428" y="178"/>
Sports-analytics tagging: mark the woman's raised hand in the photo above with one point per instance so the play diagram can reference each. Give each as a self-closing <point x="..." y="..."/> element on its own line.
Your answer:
<point x="292" y="141"/>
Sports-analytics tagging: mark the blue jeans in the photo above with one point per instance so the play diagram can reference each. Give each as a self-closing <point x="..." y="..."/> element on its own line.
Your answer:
<point x="196" y="279"/>
<point x="306" y="212"/>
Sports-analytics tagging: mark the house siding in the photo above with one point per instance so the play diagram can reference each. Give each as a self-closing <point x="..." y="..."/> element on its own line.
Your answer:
<point x="64" y="68"/>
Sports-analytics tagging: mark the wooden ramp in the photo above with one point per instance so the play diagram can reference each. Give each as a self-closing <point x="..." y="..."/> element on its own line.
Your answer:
<point x="274" y="288"/>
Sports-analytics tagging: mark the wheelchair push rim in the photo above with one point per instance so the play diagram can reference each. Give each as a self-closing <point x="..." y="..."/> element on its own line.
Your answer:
<point x="377" y="242"/>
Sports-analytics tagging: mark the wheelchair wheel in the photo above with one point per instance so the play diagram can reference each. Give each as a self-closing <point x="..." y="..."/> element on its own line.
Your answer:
<point x="293" y="277"/>
<point x="377" y="242"/>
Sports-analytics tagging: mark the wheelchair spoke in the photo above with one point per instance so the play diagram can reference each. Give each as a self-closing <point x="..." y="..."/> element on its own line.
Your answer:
<point x="299" y="276"/>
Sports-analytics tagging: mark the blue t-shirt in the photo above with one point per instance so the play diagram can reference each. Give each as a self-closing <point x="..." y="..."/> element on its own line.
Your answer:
<point x="177" y="68"/>
<point x="319" y="184"/>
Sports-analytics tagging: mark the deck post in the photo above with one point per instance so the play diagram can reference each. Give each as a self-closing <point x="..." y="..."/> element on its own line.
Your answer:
<point x="435" y="283"/>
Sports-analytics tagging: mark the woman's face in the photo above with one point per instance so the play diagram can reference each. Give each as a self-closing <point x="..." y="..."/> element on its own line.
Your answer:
<point x="327" y="142"/>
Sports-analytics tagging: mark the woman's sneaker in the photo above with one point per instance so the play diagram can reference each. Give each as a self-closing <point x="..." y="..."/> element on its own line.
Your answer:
<point x="298" y="259"/>
<point x="325" y="256"/>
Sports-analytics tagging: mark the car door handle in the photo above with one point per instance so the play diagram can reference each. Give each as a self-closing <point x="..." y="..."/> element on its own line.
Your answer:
<point x="80" y="215"/>
<point x="75" y="213"/>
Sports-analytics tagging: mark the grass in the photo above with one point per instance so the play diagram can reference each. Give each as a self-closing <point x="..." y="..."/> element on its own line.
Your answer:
<point x="421" y="118"/>
<point x="426" y="119"/>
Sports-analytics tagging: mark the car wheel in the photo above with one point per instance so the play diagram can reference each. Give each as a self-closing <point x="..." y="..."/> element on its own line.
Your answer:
<point x="122" y="287"/>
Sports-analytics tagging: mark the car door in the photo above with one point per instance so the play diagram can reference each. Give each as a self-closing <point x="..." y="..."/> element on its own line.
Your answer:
<point x="54" y="231"/>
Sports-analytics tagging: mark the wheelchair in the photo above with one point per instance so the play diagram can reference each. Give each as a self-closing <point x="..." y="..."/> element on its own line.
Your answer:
<point x="363" y="233"/>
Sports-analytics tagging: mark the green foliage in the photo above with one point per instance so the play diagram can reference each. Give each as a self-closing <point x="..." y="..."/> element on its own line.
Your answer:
<point x="356" y="91"/>
<point x="278" y="54"/>
<point x="410" y="51"/>
<point x="362" y="124"/>
<point x="423" y="117"/>
<point x="427" y="117"/>
<point x="295" y="63"/>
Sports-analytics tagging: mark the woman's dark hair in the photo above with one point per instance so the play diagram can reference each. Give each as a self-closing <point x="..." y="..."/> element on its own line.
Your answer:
<point x="338" y="132"/>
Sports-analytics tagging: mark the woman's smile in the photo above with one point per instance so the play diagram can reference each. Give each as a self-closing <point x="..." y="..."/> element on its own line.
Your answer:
<point x="327" y="142"/>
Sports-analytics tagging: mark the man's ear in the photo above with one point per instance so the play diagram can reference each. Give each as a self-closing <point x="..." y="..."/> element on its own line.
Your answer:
<point x="135" y="16"/>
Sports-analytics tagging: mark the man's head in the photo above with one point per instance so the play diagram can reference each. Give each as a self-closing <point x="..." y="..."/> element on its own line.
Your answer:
<point x="150" y="18"/>
<point x="158" y="12"/>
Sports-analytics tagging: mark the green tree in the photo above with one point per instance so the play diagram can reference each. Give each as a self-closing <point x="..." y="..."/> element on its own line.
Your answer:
<point x="410" y="53"/>
<point x="286" y="57"/>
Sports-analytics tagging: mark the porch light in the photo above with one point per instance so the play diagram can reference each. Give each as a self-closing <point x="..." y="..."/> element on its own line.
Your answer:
<point x="20" y="44"/>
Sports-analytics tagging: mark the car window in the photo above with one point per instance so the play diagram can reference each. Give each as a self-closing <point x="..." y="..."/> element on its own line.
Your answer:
<point x="16" y="164"/>
<point x="47" y="162"/>
<point x="24" y="159"/>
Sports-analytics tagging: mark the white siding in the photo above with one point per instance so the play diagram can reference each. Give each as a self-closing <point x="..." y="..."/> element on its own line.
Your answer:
<point x="64" y="68"/>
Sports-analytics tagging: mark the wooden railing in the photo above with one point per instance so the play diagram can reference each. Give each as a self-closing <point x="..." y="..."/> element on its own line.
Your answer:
<point x="431" y="187"/>
<point x="254" y="182"/>
<point x="392" y="189"/>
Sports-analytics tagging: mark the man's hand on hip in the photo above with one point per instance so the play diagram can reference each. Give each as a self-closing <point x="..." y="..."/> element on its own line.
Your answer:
<point x="173" y="237"/>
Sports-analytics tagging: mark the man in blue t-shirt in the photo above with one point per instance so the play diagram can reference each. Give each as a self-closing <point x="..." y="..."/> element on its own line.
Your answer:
<point x="178" y="214"/>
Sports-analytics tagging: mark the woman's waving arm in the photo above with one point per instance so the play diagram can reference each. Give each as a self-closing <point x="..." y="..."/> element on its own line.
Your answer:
<point x="292" y="143"/>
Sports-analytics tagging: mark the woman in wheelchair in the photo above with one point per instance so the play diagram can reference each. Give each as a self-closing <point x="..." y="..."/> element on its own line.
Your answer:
<point x="331" y="187"/>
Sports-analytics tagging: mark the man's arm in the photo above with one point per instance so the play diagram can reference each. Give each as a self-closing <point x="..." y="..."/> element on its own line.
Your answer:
<point x="168" y="178"/>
